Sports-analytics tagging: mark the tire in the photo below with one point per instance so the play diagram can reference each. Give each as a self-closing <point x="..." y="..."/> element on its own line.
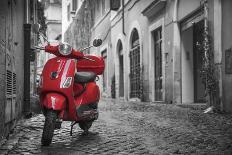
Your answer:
<point x="85" y="125"/>
<point x="49" y="127"/>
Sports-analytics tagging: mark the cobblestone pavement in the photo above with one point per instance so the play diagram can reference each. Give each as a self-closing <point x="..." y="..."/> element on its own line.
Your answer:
<point x="130" y="128"/>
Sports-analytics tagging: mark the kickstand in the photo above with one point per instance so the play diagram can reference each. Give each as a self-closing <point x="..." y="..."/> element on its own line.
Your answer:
<point x="72" y="124"/>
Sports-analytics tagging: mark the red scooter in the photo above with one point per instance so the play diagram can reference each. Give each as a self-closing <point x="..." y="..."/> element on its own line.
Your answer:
<point x="67" y="88"/>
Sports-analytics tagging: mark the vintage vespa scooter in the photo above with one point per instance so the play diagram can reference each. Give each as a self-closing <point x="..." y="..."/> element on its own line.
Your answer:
<point x="67" y="88"/>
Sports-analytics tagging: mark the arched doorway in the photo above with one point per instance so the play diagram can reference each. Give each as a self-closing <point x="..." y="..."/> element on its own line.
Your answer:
<point x="135" y="84"/>
<point x="121" y="68"/>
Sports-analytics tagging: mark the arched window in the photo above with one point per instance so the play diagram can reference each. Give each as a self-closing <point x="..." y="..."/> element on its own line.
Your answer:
<point x="135" y="69"/>
<point x="134" y="38"/>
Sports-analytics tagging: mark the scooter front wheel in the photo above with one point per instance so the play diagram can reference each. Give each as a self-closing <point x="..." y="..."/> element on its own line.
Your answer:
<point x="49" y="127"/>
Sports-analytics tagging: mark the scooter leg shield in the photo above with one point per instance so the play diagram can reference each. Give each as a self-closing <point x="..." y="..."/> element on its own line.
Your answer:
<point x="54" y="101"/>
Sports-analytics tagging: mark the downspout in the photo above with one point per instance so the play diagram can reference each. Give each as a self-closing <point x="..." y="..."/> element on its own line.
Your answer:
<point x="35" y="43"/>
<point x="123" y="18"/>
<point x="26" y="6"/>
<point x="27" y="44"/>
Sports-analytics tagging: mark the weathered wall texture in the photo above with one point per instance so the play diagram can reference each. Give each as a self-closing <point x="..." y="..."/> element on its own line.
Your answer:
<point x="11" y="59"/>
<point x="78" y="33"/>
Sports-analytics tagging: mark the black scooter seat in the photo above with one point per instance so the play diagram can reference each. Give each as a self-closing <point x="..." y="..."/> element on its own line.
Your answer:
<point x="84" y="77"/>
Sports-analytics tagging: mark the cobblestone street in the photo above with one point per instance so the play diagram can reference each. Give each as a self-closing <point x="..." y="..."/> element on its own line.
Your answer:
<point x="130" y="128"/>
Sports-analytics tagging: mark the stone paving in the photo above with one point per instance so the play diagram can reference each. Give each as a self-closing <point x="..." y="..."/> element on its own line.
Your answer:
<point x="130" y="128"/>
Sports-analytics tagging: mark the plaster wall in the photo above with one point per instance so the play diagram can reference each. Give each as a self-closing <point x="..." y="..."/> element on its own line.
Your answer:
<point x="102" y="30"/>
<point x="186" y="7"/>
<point x="53" y="12"/>
<point x="12" y="48"/>
<point x="65" y="21"/>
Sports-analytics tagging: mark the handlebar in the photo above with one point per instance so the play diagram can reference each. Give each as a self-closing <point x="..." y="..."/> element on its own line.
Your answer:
<point x="55" y="48"/>
<point x="37" y="48"/>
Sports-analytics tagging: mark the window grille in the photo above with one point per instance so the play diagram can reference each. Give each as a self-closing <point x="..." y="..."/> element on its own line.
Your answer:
<point x="135" y="81"/>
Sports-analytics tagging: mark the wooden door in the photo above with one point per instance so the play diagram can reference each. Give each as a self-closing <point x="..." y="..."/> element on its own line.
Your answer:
<point x="157" y="34"/>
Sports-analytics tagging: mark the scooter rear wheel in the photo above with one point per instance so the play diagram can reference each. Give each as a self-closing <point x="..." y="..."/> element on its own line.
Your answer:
<point x="85" y="125"/>
<point x="49" y="127"/>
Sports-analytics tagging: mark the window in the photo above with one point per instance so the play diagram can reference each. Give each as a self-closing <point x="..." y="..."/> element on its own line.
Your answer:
<point x="103" y="7"/>
<point x="74" y="5"/>
<point x="68" y="12"/>
<point x="135" y="68"/>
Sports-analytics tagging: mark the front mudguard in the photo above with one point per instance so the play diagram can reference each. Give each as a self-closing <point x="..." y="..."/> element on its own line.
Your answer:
<point x="54" y="101"/>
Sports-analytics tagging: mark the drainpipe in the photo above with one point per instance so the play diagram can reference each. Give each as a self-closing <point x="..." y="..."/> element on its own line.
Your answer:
<point x="27" y="44"/>
<point x="26" y="8"/>
<point x="123" y="18"/>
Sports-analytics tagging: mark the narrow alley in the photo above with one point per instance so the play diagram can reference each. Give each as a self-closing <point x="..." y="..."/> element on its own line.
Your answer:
<point x="130" y="128"/>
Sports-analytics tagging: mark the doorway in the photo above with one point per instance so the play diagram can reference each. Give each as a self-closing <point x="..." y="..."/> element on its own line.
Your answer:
<point x="157" y="37"/>
<point x="193" y="89"/>
<point x="121" y="69"/>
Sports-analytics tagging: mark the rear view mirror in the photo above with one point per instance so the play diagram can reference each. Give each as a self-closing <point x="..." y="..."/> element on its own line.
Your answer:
<point x="97" y="42"/>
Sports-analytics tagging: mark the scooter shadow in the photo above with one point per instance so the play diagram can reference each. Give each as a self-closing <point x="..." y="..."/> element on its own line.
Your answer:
<point x="78" y="142"/>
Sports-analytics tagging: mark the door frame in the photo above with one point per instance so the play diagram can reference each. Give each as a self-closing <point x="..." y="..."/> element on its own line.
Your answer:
<point x="158" y="24"/>
<point x="189" y="21"/>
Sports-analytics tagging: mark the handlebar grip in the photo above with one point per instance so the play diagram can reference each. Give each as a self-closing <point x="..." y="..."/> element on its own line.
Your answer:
<point x="37" y="48"/>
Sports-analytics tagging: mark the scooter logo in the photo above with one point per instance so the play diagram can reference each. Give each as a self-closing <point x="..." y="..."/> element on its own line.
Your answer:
<point x="53" y="102"/>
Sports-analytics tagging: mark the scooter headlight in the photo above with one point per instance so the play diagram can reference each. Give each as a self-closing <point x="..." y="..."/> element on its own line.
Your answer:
<point x="65" y="49"/>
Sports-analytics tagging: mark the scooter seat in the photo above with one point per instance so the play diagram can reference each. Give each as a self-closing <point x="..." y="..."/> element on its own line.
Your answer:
<point x="84" y="77"/>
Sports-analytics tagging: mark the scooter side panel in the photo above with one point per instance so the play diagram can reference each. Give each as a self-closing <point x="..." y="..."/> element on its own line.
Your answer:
<point x="90" y="95"/>
<point x="87" y="103"/>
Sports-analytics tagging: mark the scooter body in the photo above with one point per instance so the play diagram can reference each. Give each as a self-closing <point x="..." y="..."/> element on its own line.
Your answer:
<point x="68" y="91"/>
<point x="60" y="93"/>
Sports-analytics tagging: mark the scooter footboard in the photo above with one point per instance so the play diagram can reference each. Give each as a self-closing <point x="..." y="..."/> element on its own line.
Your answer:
<point x="54" y="101"/>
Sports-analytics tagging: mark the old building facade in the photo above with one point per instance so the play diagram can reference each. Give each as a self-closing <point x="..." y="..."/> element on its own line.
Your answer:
<point x="16" y="36"/>
<point x="53" y="16"/>
<point x="152" y="48"/>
